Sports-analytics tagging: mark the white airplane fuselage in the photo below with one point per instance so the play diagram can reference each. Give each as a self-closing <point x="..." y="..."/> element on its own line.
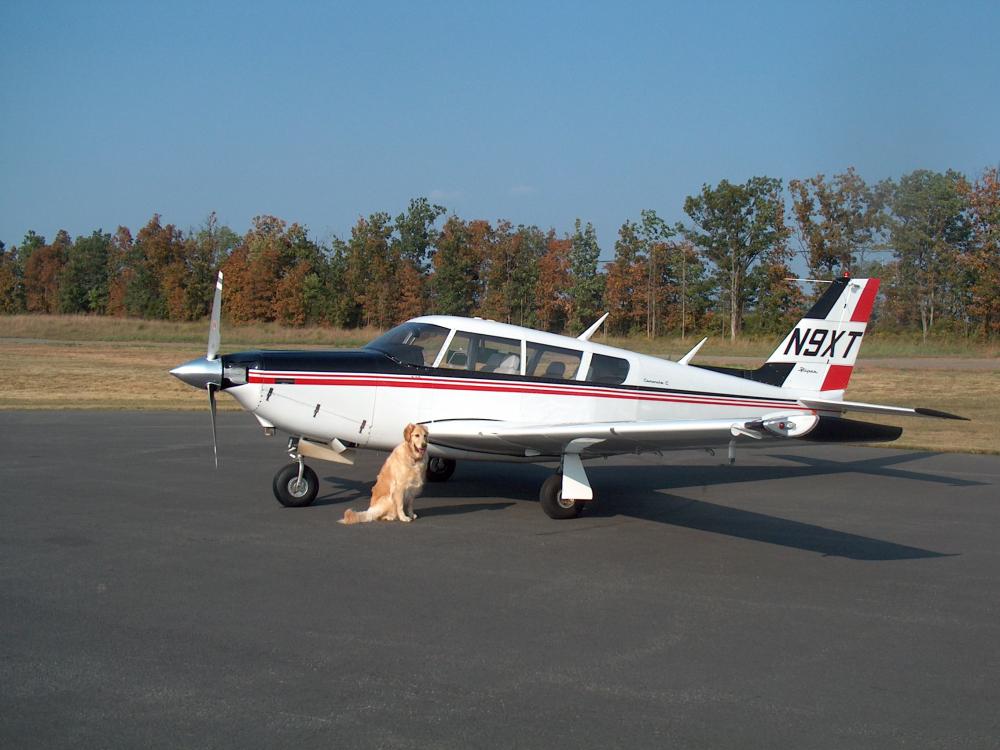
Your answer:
<point x="366" y="398"/>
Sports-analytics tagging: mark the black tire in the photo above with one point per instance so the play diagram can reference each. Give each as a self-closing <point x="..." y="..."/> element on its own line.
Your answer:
<point x="553" y="505"/>
<point x="285" y="489"/>
<point x="440" y="469"/>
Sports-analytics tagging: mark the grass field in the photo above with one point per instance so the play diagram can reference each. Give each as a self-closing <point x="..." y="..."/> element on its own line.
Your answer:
<point x="56" y="362"/>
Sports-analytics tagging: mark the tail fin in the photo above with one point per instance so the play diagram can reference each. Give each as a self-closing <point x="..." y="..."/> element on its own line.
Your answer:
<point x="819" y="353"/>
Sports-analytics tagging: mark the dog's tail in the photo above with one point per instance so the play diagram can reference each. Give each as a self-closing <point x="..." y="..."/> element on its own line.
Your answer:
<point x="352" y="517"/>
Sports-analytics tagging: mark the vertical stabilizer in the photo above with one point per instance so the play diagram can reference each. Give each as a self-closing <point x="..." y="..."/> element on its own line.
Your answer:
<point x="823" y="346"/>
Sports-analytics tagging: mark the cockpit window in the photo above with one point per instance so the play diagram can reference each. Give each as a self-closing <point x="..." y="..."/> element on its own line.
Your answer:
<point x="411" y="343"/>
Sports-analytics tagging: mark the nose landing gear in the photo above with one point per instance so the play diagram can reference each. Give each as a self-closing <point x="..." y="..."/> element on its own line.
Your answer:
<point x="295" y="485"/>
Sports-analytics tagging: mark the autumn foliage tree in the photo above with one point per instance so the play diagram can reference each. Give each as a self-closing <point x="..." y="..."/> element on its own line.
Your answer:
<point x="838" y="221"/>
<point x="43" y="270"/>
<point x="983" y="258"/>
<point x="729" y="265"/>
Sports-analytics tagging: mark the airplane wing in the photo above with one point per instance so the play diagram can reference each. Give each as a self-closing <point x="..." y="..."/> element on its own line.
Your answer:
<point x="844" y="406"/>
<point x="609" y="438"/>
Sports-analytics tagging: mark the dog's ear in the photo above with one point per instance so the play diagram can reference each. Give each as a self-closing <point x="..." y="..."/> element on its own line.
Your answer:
<point x="407" y="431"/>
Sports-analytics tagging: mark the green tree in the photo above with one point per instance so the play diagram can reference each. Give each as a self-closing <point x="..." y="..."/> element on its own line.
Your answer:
<point x="412" y="247"/>
<point x="734" y="225"/>
<point x="84" y="286"/>
<point x="207" y="249"/>
<point x="509" y="271"/>
<point x="455" y="283"/>
<point x="370" y="273"/>
<point x="586" y="285"/>
<point x="11" y="285"/>
<point x="929" y="231"/>
<point x="155" y="263"/>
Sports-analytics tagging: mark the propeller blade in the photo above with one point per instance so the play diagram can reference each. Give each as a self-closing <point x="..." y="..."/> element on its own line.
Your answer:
<point x="212" y="387"/>
<point x="213" y="330"/>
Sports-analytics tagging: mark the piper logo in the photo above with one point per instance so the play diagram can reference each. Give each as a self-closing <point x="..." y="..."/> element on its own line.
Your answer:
<point x="821" y="342"/>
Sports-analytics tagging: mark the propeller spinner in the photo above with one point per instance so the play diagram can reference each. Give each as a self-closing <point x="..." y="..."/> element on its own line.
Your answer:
<point x="206" y="372"/>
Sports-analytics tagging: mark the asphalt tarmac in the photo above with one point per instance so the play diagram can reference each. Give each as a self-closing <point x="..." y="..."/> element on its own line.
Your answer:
<point x="808" y="597"/>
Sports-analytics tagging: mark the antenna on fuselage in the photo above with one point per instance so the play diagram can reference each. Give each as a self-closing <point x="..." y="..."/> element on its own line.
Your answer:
<point x="585" y="336"/>
<point x="686" y="359"/>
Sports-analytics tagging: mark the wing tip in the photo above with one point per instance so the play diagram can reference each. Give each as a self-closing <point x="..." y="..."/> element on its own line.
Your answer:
<point x="939" y="414"/>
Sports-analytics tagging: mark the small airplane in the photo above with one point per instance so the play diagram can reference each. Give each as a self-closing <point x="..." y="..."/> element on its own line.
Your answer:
<point x="499" y="392"/>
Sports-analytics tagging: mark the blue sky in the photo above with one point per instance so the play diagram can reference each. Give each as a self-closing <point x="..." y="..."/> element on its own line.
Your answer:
<point x="535" y="112"/>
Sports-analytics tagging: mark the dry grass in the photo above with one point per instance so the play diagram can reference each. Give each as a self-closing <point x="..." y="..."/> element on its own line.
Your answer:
<point x="129" y="376"/>
<point x="97" y="328"/>
<point x="64" y="370"/>
<point x="972" y="394"/>
<point x="96" y="376"/>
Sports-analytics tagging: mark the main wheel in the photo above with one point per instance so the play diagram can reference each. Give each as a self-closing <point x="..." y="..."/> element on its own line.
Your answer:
<point x="290" y="491"/>
<point x="440" y="469"/>
<point x="552" y="501"/>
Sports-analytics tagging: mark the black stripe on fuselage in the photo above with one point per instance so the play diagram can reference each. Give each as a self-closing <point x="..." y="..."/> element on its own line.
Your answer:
<point x="376" y="363"/>
<point x="770" y="373"/>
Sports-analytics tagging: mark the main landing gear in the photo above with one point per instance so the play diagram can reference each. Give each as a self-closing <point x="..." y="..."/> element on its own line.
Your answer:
<point x="440" y="469"/>
<point x="564" y="494"/>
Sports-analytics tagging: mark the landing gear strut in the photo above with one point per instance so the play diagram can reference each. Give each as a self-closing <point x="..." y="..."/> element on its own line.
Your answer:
<point x="564" y="494"/>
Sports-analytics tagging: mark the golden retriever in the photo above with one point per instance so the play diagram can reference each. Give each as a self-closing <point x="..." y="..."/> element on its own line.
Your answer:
<point x="400" y="480"/>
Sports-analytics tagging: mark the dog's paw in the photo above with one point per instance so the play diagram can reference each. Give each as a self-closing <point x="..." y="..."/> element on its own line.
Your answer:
<point x="404" y="519"/>
<point x="413" y="516"/>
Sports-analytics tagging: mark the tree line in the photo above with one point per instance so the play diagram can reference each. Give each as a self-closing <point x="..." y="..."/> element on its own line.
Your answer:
<point x="934" y="239"/>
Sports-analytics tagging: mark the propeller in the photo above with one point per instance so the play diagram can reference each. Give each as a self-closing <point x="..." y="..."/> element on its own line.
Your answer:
<point x="211" y="355"/>
<point x="212" y="388"/>
<point x="206" y="372"/>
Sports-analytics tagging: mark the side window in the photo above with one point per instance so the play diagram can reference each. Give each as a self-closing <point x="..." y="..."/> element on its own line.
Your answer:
<point x="499" y="355"/>
<point x="552" y="362"/>
<point x="610" y="370"/>
<point x="458" y="355"/>
<point x="473" y="351"/>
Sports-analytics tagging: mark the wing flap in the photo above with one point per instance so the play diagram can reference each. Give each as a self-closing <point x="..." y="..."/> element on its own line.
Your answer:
<point x="606" y="438"/>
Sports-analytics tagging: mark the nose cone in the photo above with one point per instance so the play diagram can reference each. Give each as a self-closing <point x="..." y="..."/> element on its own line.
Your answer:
<point x="200" y="372"/>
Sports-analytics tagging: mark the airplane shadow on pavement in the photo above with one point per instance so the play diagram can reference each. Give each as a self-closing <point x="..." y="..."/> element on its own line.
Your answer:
<point x="643" y="492"/>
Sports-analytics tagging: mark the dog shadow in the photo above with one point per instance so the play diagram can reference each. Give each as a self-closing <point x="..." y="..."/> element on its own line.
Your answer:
<point x="343" y="490"/>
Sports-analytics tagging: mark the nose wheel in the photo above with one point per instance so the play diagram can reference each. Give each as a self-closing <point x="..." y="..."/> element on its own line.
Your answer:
<point x="295" y="485"/>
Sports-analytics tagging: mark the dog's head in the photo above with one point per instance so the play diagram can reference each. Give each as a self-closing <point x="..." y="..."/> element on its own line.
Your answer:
<point x="415" y="437"/>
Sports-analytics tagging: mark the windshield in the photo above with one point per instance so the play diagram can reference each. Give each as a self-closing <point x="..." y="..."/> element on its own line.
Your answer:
<point x="411" y="343"/>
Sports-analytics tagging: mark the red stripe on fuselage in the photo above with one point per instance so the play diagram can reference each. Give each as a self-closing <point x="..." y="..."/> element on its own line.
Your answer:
<point x="543" y="389"/>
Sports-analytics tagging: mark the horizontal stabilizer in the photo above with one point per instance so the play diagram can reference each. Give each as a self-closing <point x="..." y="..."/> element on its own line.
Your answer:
<point x="840" y="430"/>
<point x="845" y="406"/>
